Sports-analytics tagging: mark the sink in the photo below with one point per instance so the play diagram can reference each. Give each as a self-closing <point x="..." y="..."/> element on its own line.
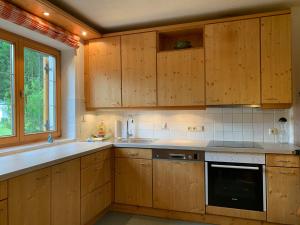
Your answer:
<point x="135" y="140"/>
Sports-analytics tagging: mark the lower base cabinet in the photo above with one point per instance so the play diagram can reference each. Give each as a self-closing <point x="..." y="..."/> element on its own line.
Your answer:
<point x="283" y="195"/>
<point x="29" y="200"/>
<point x="94" y="203"/>
<point x="178" y="185"/>
<point x="65" y="193"/>
<point x="133" y="181"/>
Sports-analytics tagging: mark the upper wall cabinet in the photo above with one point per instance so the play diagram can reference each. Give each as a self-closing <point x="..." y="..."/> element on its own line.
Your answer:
<point x="139" y="70"/>
<point x="232" y="56"/>
<point x="276" y="60"/>
<point x="103" y="73"/>
<point x="180" y="77"/>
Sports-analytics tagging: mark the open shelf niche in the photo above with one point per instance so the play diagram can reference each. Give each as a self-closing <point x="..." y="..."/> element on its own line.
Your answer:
<point x="167" y="39"/>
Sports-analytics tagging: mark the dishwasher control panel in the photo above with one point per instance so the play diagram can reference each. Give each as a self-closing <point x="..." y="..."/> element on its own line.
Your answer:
<point x="174" y="154"/>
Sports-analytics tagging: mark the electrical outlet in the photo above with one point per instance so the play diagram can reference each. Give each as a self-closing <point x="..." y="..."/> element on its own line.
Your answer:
<point x="273" y="131"/>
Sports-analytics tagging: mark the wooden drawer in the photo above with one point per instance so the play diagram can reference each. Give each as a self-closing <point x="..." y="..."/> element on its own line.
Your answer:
<point x="3" y="212"/>
<point x="135" y="153"/>
<point x="95" y="176"/>
<point x="94" y="203"/>
<point x="283" y="160"/>
<point x="95" y="158"/>
<point x="3" y="190"/>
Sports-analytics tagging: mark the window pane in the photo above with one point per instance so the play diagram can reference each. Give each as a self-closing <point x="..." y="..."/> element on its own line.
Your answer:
<point x="39" y="92"/>
<point x="7" y="90"/>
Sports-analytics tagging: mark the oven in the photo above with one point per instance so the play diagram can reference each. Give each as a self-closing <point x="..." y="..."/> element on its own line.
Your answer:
<point x="234" y="183"/>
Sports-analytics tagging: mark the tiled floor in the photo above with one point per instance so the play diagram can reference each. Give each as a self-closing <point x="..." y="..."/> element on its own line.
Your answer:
<point x="114" y="218"/>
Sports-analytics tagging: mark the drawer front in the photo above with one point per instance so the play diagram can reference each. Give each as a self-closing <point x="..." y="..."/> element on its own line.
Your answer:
<point x="95" y="176"/>
<point x="283" y="160"/>
<point x="95" y="202"/>
<point x="3" y="190"/>
<point x="135" y="153"/>
<point x="95" y="158"/>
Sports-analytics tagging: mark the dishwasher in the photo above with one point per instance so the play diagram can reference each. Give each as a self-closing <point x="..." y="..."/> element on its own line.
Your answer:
<point x="178" y="180"/>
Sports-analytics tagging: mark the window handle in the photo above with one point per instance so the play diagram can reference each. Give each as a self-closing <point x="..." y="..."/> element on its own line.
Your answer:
<point x="21" y="94"/>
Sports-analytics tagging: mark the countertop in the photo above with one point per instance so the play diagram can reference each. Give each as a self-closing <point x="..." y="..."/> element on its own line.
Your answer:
<point x="17" y="162"/>
<point x="20" y="163"/>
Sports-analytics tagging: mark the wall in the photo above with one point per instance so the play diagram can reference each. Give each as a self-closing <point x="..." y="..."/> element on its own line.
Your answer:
<point x="240" y="124"/>
<point x="296" y="71"/>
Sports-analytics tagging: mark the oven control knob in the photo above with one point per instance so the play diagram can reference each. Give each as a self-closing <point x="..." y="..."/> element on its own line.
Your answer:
<point x="190" y="157"/>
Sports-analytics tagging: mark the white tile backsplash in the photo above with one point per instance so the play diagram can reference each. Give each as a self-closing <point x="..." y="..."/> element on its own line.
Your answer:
<point x="241" y="124"/>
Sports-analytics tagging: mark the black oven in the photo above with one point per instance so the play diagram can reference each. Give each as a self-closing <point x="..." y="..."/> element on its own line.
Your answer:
<point x="235" y="185"/>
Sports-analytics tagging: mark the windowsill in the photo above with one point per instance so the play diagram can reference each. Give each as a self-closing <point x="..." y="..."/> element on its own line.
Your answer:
<point x="33" y="146"/>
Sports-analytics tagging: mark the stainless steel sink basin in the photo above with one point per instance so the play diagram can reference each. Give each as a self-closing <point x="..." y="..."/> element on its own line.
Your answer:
<point x="135" y="140"/>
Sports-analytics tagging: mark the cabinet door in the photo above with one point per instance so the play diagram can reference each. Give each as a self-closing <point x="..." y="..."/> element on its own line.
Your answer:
<point x="276" y="74"/>
<point x="232" y="55"/>
<point x="133" y="181"/>
<point x="29" y="198"/>
<point x="178" y="186"/>
<point x="3" y="212"/>
<point x="94" y="203"/>
<point x="180" y="78"/>
<point x="283" y="195"/>
<point x="65" y="205"/>
<point x="103" y="73"/>
<point x="139" y="69"/>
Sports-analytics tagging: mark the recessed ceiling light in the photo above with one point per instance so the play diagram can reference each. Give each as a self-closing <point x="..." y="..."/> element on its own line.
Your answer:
<point x="84" y="33"/>
<point x="46" y="14"/>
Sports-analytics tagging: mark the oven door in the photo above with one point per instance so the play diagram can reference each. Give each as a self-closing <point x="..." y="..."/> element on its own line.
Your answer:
<point x="235" y="185"/>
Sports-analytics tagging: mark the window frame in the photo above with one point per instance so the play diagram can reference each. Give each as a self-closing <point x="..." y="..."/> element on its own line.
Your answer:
<point x="20" y="43"/>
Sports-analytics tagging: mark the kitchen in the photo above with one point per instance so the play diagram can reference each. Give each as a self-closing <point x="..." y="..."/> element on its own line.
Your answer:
<point x="113" y="114"/>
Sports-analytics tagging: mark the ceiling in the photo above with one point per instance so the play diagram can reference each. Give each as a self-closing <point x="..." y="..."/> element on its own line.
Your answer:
<point x="119" y="15"/>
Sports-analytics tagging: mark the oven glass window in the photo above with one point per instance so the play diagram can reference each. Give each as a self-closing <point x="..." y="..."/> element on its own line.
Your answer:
<point x="235" y="185"/>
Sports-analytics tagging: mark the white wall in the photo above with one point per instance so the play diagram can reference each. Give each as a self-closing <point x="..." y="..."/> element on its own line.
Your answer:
<point x="296" y="71"/>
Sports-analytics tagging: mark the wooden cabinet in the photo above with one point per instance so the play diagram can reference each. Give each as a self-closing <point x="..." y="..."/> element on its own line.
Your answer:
<point x="96" y="193"/>
<point x="133" y="181"/>
<point x="178" y="185"/>
<point x="29" y="198"/>
<point x="103" y="73"/>
<point x="65" y="193"/>
<point x="180" y="78"/>
<point x="232" y="62"/>
<point x="3" y="212"/>
<point x="283" y="205"/>
<point x="139" y="69"/>
<point x="94" y="203"/>
<point x="3" y="190"/>
<point x="276" y="74"/>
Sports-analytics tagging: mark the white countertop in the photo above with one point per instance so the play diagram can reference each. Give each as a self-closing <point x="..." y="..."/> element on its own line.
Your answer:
<point x="19" y="160"/>
<point x="20" y="163"/>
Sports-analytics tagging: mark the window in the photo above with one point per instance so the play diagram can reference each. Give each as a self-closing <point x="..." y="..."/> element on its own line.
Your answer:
<point x="7" y="89"/>
<point x="29" y="90"/>
<point x="39" y="92"/>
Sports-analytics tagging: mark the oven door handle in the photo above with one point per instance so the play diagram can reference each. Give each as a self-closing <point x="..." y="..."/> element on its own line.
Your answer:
<point x="235" y="167"/>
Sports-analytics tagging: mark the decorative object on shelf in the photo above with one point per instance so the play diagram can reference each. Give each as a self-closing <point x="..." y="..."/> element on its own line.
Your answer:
<point x="182" y="44"/>
<point x="50" y="139"/>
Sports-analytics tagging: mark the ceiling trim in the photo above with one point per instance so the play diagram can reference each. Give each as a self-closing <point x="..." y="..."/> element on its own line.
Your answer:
<point x="58" y="17"/>
<point x="197" y="23"/>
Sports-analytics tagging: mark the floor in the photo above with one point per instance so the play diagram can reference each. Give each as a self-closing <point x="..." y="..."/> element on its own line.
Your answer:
<point x="113" y="218"/>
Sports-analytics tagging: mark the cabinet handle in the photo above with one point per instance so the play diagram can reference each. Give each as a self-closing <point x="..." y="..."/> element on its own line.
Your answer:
<point x="283" y="161"/>
<point x="133" y="154"/>
<point x="42" y="177"/>
<point x="287" y="173"/>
